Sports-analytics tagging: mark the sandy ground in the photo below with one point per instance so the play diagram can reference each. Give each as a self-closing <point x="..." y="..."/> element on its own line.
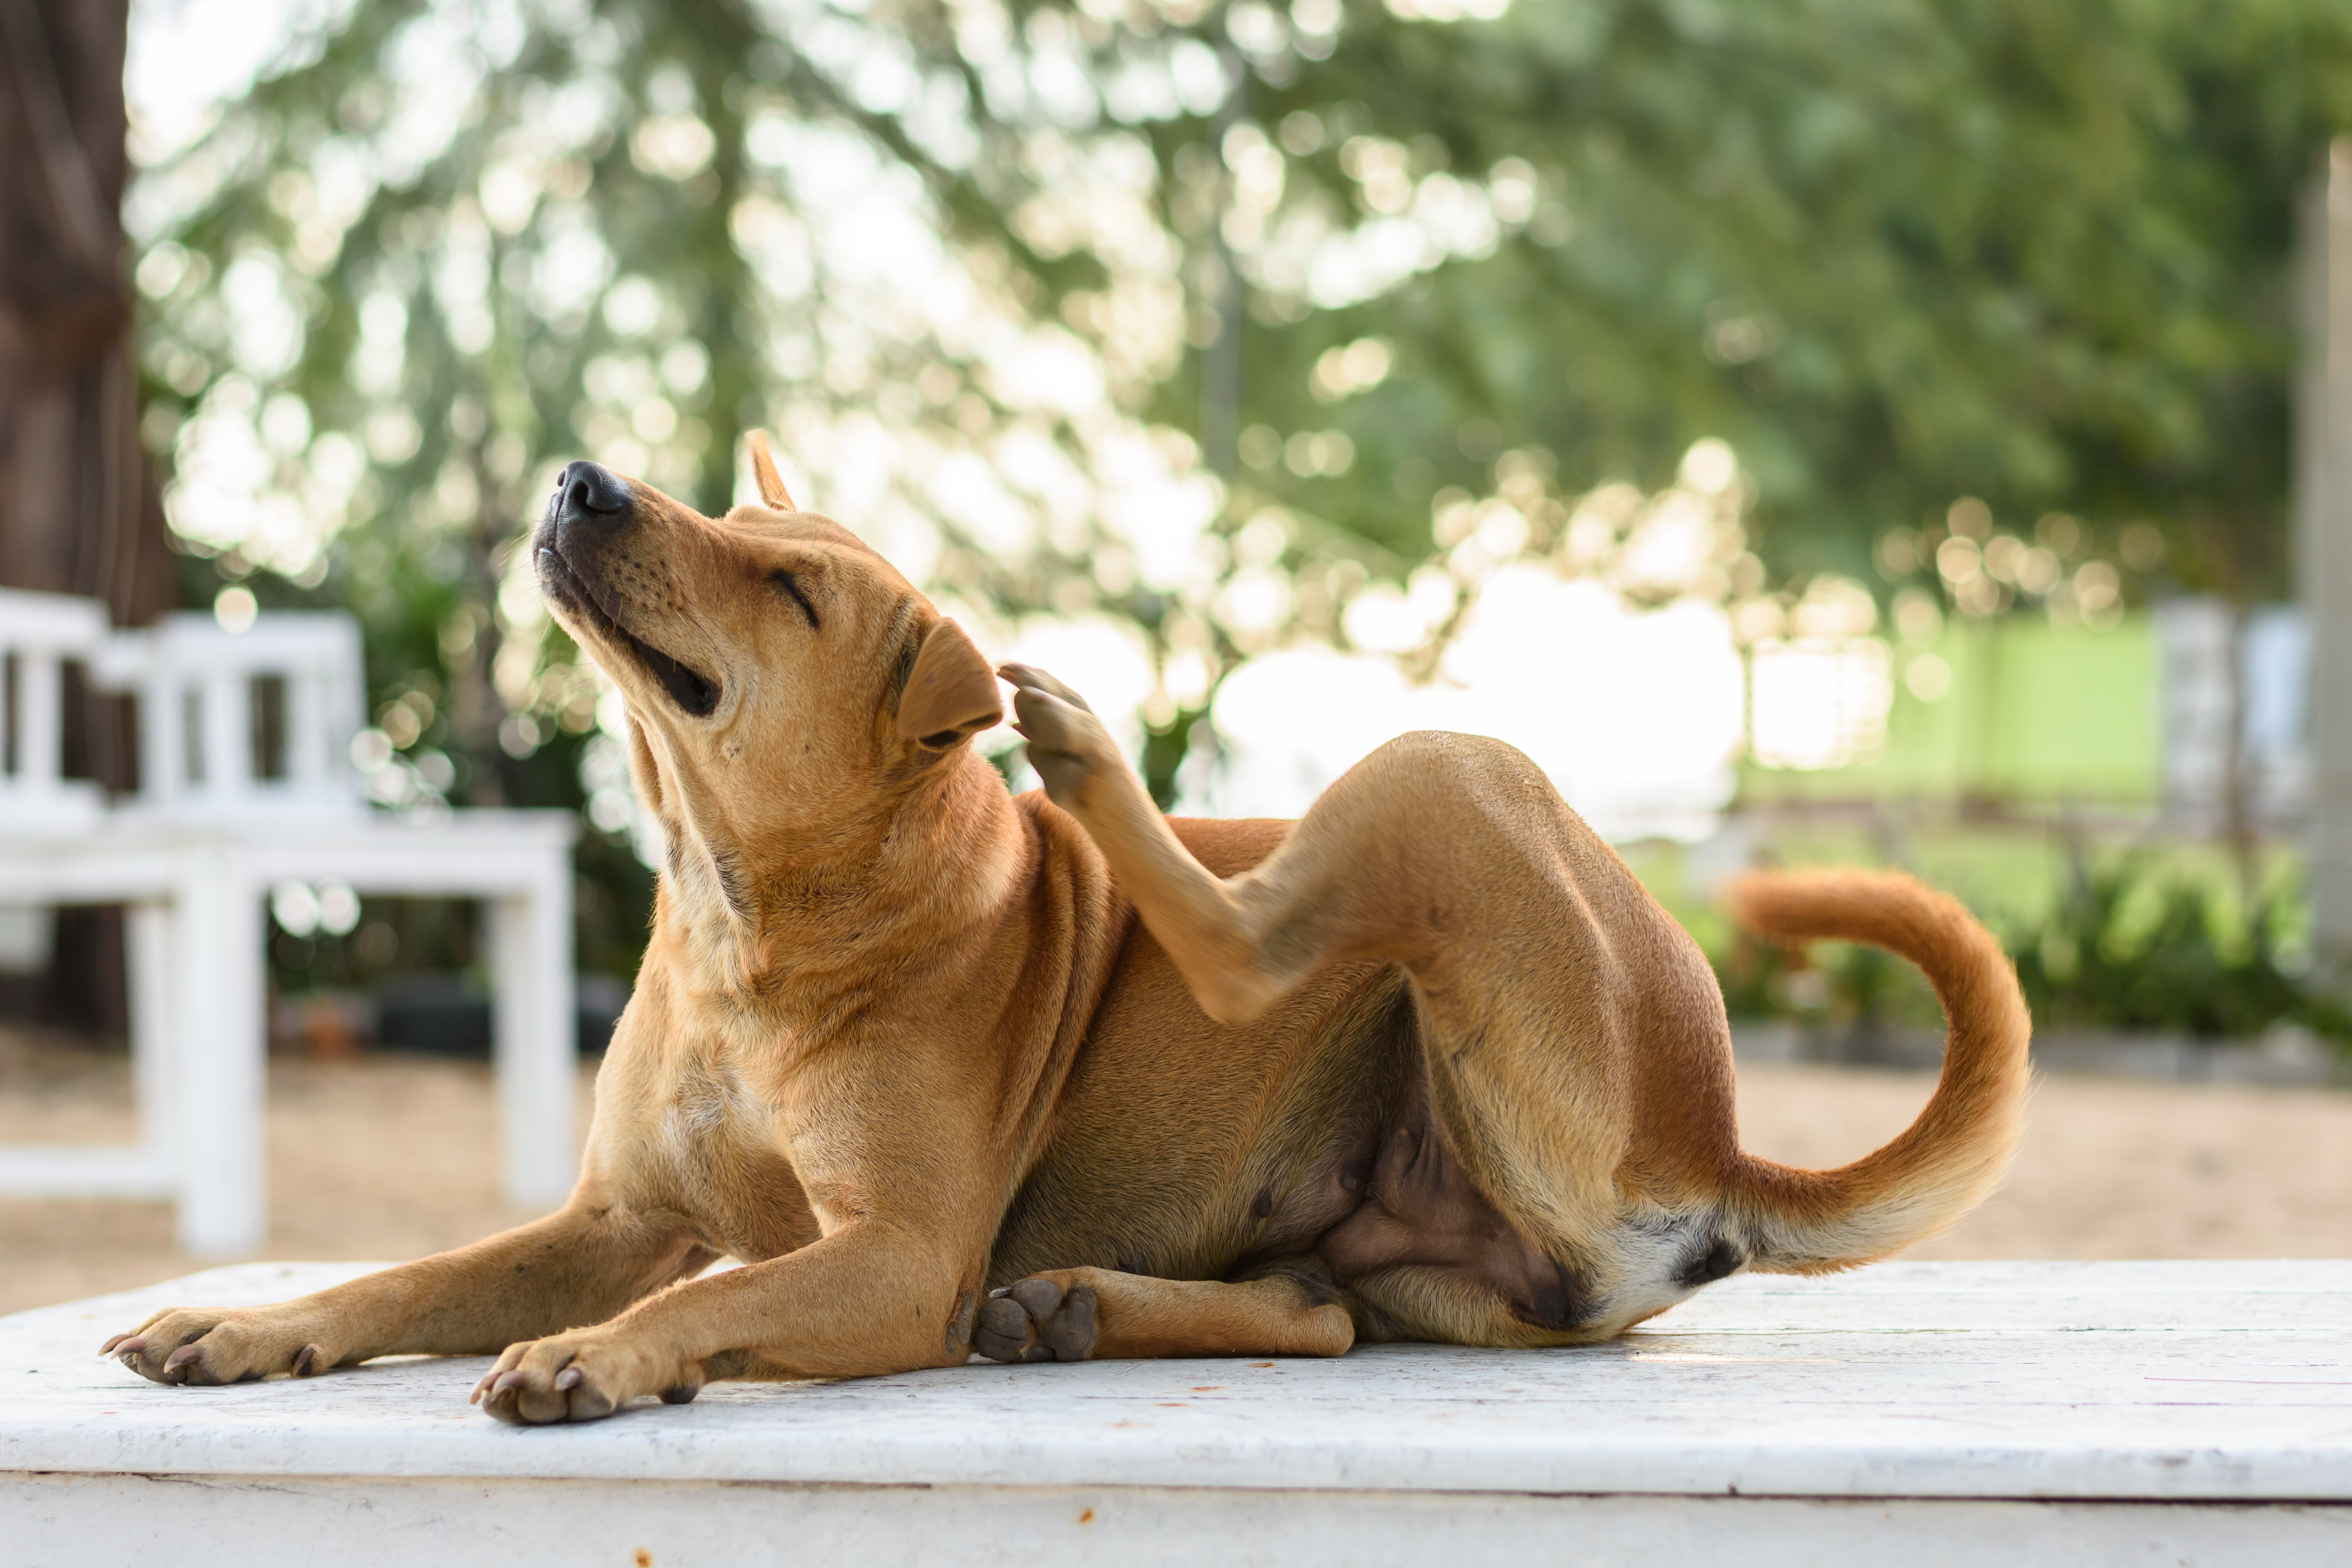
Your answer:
<point x="392" y="1157"/>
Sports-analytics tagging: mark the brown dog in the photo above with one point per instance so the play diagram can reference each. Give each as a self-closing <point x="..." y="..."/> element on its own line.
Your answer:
<point x="1428" y="1064"/>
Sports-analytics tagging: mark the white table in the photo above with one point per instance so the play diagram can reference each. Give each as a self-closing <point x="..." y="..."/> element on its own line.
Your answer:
<point x="198" y="987"/>
<point x="1916" y="1413"/>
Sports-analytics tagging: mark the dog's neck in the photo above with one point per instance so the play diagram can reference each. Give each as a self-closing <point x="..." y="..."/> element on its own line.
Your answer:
<point x="813" y="917"/>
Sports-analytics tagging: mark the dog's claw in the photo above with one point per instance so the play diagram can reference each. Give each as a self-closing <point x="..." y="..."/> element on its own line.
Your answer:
<point x="187" y="1348"/>
<point x="1029" y="678"/>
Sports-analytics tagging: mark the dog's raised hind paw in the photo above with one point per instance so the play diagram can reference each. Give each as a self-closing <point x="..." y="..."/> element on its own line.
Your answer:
<point x="1037" y="1320"/>
<point x="1068" y="745"/>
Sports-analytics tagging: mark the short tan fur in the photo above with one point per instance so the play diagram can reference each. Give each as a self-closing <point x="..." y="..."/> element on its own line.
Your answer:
<point x="1056" y="1077"/>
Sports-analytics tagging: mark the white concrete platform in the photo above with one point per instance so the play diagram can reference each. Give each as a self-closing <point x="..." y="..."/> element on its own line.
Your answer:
<point x="1942" y="1412"/>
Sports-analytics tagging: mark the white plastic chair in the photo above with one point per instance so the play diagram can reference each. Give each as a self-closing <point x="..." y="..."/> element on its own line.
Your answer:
<point x="210" y="745"/>
<point x="245" y="781"/>
<point x="39" y="633"/>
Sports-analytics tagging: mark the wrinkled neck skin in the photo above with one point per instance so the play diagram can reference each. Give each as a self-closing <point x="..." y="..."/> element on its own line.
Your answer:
<point x="800" y="918"/>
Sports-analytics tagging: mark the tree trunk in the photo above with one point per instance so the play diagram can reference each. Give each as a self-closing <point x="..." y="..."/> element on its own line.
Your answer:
<point x="79" y="508"/>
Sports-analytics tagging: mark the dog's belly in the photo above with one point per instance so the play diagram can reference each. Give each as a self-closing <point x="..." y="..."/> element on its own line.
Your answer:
<point x="1184" y="1150"/>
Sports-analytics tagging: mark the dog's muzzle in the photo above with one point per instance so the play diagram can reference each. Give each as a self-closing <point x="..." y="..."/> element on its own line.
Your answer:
<point x="589" y="507"/>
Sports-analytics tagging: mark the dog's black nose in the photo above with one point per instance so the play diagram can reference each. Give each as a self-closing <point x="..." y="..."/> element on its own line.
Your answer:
<point x="587" y="493"/>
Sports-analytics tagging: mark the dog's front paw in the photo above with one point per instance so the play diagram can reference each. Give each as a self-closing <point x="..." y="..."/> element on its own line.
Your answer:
<point x="1037" y="1320"/>
<point x="238" y="1344"/>
<point x="1068" y="745"/>
<point x="581" y="1376"/>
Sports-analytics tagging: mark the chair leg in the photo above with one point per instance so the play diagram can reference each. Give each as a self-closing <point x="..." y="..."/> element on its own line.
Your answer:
<point x="218" y="1085"/>
<point x="149" y="934"/>
<point x="535" y="1040"/>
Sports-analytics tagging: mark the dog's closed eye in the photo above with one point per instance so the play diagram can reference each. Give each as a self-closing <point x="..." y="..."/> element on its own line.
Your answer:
<point x="791" y="584"/>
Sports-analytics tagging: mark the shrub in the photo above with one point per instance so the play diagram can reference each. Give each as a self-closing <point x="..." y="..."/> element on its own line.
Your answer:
<point x="2132" y="945"/>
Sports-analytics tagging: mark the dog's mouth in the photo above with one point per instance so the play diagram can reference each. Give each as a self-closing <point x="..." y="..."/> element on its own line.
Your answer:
<point x="695" y="693"/>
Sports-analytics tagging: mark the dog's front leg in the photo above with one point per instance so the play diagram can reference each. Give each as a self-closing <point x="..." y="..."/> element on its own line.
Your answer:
<point x="873" y="1297"/>
<point x="579" y="1265"/>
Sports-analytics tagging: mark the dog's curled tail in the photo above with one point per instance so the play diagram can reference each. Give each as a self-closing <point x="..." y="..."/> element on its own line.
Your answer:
<point x="1944" y="1164"/>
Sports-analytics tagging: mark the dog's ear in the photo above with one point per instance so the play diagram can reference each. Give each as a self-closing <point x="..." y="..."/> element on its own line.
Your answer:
<point x="951" y="693"/>
<point x="764" y="473"/>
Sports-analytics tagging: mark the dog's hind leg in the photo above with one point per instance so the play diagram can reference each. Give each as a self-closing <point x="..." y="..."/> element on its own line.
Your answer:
<point x="1217" y="943"/>
<point x="1578" y="1055"/>
<point x="1100" y="1314"/>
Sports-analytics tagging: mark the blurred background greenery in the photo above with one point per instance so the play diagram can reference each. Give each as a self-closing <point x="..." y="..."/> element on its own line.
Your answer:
<point x="1919" y="354"/>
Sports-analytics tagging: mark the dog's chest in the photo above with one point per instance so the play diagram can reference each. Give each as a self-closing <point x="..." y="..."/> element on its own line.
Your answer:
<point x="711" y="1143"/>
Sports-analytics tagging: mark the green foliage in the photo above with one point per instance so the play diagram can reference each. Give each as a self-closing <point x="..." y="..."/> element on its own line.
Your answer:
<point x="1165" y="748"/>
<point x="2135" y="941"/>
<point x="1894" y="251"/>
<point x="2131" y="947"/>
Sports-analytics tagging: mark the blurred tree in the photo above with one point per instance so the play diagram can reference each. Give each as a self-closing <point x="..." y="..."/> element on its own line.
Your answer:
<point x="79" y="510"/>
<point x="1006" y="274"/>
<point x="1896" y="253"/>
<point x="439" y="250"/>
<point x="81" y="515"/>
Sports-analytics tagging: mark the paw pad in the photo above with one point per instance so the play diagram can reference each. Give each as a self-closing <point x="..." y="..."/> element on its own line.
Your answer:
<point x="1036" y="1321"/>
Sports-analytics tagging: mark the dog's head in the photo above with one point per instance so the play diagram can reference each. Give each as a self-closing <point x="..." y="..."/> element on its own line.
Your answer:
<point x="786" y="685"/>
